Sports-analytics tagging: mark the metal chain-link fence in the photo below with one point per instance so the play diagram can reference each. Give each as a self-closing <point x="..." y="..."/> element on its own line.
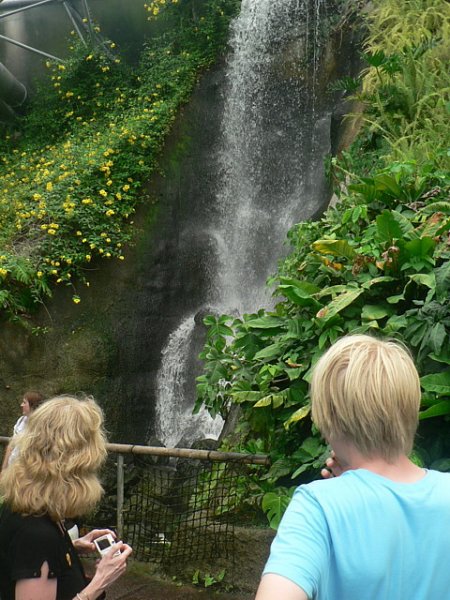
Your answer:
<point x="187" y="510"/>
<point x="175" y="504"/>
<point x="182" y="507"/>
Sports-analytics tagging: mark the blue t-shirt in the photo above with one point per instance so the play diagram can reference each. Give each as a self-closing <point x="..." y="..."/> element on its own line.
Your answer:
<point x="361" y="536"/>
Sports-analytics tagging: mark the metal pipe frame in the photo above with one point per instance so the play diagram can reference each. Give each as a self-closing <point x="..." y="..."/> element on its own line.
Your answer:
<point x="25" y="7"/>
<point x="30" y="48"/>
<point x="73" y="15"/>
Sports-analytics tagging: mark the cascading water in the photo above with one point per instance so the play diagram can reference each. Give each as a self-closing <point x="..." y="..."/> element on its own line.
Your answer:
<point x="272" y="144"/>
<point x="268" y="152"/>
<point x="175" y="421"/>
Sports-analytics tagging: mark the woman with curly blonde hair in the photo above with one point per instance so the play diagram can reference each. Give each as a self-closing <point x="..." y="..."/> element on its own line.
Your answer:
<point x="54" y="478"/>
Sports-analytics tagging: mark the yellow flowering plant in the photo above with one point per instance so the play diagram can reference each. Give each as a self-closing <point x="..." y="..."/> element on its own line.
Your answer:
<point x="71" y="181"/>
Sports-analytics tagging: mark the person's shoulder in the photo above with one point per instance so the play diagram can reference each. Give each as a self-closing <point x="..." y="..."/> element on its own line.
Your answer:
<point x="20" y="424"/>
<point x="323" y="489"/>
<point x="439" y="477"/>
<point x="30" y="527"/>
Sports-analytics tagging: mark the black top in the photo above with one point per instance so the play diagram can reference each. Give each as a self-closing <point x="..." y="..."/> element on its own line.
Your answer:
<point x="26" y="542"/>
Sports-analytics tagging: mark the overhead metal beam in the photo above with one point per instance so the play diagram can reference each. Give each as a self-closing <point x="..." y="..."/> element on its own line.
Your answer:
<point x="30" y="48"/>
<point x="24" y="8"/>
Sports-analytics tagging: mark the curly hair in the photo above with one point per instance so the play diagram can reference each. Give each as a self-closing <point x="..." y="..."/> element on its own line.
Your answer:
<point x="60" y="453"/>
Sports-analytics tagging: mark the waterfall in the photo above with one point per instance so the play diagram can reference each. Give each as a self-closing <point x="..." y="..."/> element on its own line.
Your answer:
<point x="270" y="160"/>
<point x="268" y="141"/>
<point x="175" y="422"/>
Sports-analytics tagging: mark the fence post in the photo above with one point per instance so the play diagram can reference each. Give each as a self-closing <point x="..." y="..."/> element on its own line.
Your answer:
<point x="120" y="496"/>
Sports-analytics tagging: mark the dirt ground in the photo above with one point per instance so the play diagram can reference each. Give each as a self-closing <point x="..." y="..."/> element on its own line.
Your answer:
<point x="141" y="587"/>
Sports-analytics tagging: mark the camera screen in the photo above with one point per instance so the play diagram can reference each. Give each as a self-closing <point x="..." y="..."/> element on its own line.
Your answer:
<point x="103" y="543"/>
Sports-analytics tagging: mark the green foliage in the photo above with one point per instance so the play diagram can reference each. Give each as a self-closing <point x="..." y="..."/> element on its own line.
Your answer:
<point x="72" y="176"/>
<point x="377" y="262"/>
<point x="207" y="579"/>
<point x="275" y="503"/>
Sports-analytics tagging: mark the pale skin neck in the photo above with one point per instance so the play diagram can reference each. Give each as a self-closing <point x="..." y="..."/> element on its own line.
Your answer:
<point x="399" y="469"/>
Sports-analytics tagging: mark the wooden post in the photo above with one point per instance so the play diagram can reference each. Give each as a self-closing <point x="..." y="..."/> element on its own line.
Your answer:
<point x="120" y="496"/>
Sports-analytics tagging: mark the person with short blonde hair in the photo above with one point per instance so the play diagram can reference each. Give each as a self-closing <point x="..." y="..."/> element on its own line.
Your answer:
<point x="378" y="528"/>
<point x="367" y="391"/>
<point x="54" y="477"/>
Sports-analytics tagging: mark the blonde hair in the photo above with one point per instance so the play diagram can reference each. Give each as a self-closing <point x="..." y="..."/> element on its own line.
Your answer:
<point x="367" y="391"/>
<point x="60" y="453"/>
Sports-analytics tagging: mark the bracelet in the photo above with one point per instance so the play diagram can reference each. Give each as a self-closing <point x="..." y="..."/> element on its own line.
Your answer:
<point x="79" y="597"/>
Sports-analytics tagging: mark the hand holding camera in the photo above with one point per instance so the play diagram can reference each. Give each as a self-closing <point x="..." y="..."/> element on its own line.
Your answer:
<point x="104" y="543"/>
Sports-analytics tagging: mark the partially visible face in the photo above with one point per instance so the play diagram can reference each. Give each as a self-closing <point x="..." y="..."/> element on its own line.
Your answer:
<point x="25" y="406"/>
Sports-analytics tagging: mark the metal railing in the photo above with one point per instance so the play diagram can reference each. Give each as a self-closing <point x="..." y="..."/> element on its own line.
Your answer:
<point x="158" y="453"/>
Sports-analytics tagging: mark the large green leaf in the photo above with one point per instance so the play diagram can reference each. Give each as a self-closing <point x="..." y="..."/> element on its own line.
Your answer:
<point x="441" y="206"/>
<point x="332" y="290"/>
<point x="386" y="182"/>
<point x="437" y="382"/>
<point x="271" y="351"/>
<point x="274" y="504"/>
<point x="304" y="287"/>
<point x="251" y="396"/>
<point x="298" y="415"/>
<point x="427" y="279"/>
<point x="420" y="247"/>
<point x="376" y="280"/>
<point x="373" y="312"/>
<point x="298" y="292"/>
<point x="268" y="322"/>
<point x="442" y="275"/>
<point x="443" y="356"/>
<point x="437" y="410"/>
<point x="274" y="400"/>
<point x="338" y="304"/>
<point x="437" y="337"/>
<point x="388" y="228"/>
<point x="335" y="248"/>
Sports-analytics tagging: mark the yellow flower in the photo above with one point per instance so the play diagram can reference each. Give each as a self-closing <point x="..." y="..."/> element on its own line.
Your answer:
<point x="86" y="201"/>
<point x="76" y="299"/>
<point x="49" y="186"/>
<point x="3" y="272"/>
<point x="51" y="231"/>
<point x="126" y="187"/>
<point x="103" y="193"/>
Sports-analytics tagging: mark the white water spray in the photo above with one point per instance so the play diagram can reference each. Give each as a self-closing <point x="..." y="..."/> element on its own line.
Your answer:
<point x="267" y="140"/>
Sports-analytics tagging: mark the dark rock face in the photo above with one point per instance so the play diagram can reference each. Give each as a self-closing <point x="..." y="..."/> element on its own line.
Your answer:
<point x="110" y="344"/>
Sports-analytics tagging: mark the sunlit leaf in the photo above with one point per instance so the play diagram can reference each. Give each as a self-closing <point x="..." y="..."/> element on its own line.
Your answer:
<point x="338" y="304"/>
<point x="335" y="248"/>
<point x="298" y="415"/>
